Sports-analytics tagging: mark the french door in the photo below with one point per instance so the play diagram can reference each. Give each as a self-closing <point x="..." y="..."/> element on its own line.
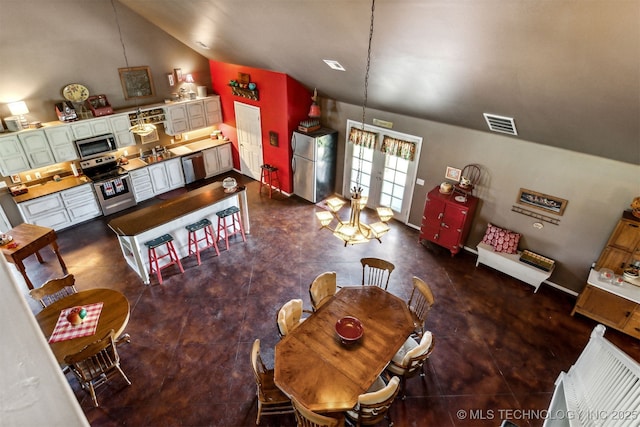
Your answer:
<point x="387" y="180"/>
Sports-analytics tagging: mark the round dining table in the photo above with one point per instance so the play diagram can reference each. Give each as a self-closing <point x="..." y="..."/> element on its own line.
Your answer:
<point x="114" y="315"/>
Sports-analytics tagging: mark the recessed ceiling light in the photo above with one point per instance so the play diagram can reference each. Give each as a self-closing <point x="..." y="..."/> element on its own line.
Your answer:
<point x="202" y="45"/>
<point x="334" y="65"/>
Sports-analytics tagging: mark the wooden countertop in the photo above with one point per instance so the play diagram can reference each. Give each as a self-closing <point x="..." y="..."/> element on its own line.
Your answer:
<point x="137" y="222"/>
<point x="51" y="187"/>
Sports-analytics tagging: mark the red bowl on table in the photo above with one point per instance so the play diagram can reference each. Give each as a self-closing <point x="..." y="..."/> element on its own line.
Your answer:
<point x="349" y="329"/>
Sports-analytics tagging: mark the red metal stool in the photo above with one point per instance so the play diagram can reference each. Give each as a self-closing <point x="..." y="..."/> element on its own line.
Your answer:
<point x="209" y="239"/>
<point x="269" y="177"/>
<point x="235" y="225"/>
<point x="154" y="266"/>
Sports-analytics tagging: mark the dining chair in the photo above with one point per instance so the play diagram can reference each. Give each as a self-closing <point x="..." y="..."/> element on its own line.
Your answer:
<point x="410" y="358"/>
<point x="271" y="400"/>
<point x="96" y="363"/>
<point x="307" y="418"/>
<point x="376" y="272"/>
<point x="322" y="288"/>
<point x="420" y="302"/>
<point x="54" y="290"/>
<point x="373" y="406"/>
<point x="290" y="316"/>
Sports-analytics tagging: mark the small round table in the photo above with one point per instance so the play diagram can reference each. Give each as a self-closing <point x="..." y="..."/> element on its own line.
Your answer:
<point x="114" y="315"/>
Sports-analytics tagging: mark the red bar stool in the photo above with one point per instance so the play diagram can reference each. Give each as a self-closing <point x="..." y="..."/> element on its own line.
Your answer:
<point x="269" y="177"/>
<point x="209" y="239"/>
<point x="233" y="213"/>
<point x="154" y="266"/>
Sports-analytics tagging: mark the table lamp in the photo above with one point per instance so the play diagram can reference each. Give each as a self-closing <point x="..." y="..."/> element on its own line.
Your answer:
<point x="189" y="79"/>
<point x="19" y="108"/>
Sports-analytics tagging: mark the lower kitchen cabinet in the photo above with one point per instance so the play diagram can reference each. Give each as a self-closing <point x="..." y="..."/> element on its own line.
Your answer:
<point x="141" y="184"/>
<point x="166" y="176"/>
<point x="447" y="219"/>
<point x="617" y="306"/>
<point x="62" y="209"/>
<point x="217" y="160"/>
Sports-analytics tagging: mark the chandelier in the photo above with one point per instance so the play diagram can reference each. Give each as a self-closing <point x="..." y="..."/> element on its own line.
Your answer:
<point x="354" y="230"/>
<point x="140" y="127"/>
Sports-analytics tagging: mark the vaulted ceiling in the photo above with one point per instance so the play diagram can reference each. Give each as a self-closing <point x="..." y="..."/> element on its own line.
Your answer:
<point x="567" y="71"/>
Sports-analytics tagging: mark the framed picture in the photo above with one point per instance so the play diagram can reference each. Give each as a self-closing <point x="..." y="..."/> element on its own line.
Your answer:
<point x="543" y="202"/>
<point x="171" y="79"/>
<point x="136" y="82"/>
<point x="178" y="73"/>
<point x="273" y="138"/>
<point x="16" y="179"/>
<point x="453" y="174"/>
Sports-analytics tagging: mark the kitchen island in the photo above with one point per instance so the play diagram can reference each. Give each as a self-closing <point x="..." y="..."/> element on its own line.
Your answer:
<point x="171" y="216"/>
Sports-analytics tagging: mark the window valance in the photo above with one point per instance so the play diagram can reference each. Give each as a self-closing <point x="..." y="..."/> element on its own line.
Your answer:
<point x="398" y="148"/>
<point x="362" y="137"/>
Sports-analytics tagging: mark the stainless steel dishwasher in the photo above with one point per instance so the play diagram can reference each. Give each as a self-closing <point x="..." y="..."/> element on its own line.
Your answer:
<point x="193" y="167"/>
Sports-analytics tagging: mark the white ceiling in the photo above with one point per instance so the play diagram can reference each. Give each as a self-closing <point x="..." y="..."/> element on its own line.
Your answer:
<point x="567" y="71"/>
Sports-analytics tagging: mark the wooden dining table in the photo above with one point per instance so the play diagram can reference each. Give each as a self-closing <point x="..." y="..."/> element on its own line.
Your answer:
<point x="316" y="368"/>
<point x="114" y="315"/>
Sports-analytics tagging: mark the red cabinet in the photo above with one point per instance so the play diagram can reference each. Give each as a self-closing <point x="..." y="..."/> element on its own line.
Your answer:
<point x="447" y="219"/>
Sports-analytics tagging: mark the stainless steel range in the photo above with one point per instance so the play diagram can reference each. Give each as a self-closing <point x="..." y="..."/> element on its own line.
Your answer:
<point x="110" y="182"/>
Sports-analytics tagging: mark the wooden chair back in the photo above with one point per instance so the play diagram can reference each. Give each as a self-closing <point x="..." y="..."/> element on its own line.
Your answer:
<point x="322" y="288"/>
<point x="93" y="365"/>
<point x="289" y="316"/>
<point x="376" y="272"/>
<point x="420" y="302"/>
<point x="271" y="400"/>
<point x="373" y="407"/>
<point x="259" y="368"/>
<point x="307" y="418"/>
<point x="54" y="290"/>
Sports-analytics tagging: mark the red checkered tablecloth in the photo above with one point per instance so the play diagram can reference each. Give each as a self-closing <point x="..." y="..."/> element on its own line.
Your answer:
<point x="66" y="331"/>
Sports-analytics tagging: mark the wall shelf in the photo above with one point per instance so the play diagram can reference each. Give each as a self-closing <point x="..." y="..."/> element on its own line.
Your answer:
<point x="245" y="93"/>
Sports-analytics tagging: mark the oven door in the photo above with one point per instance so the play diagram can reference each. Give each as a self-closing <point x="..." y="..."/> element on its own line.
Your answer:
<point x="115" y="194"/>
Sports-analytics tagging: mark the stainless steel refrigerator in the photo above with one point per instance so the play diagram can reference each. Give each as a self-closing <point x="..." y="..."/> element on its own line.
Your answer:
<point x="314" y="163"/>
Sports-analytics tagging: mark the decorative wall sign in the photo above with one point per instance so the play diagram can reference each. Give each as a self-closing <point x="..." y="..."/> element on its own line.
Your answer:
<point x="273" y="138"/>
<point x="171" y="79"/>
<point x="543" y="202"/>
<point x="136" y="82"/>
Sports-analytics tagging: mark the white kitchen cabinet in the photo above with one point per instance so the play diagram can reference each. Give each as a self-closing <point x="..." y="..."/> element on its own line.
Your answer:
<point x="46" y="211"/>
<point x="212" y="110"/>
<point x="81" y="203"/>
<point x="36" y="147"/>
<point x="141" y="184"/>
<point x="61" y="142"/>
<point x="176" y="119"/>
<point x="4" y="222"/>
<point x="166" y="175"/>
<point x="120" y="125"/>
<point x="217" y="160"/>
<point x="90" y="127"/>
<point x="195" y="112"/>
<point x="12" y="156"/>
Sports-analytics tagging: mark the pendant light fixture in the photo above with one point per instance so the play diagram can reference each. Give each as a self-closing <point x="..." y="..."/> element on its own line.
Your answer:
<point x="354" y="230"/>
<point x="139" y="127"/>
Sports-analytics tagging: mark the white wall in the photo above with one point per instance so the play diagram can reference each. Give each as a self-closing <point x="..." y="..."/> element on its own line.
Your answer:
<point x="598" y="190"/>
<point x="33" y="391"/>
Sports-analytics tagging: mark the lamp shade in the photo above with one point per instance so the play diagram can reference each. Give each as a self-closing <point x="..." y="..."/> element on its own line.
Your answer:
<point x="189" y="78"/>
<point x="18" y="108"/>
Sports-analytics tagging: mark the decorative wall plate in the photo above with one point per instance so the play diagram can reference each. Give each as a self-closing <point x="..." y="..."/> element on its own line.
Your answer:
<point x="75" y="92"/>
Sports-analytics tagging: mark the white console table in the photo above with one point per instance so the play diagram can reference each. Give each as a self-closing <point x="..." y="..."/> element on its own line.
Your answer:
<point x="510" y="264"/>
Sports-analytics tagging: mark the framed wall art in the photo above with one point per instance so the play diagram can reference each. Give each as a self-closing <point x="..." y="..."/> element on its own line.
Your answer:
<point x="543" y="202"/>
<point x="136" y="82"/>
<point x="171" y="79"/>
<point x="273" y="138"/>
<point x="178" y="73"/>
<point x="452" y="174"/>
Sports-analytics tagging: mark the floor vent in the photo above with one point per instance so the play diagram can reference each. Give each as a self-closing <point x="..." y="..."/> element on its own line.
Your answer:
<point x="500" y="124"/>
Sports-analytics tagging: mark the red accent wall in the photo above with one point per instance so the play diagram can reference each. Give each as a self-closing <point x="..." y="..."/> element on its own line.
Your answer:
<point x="283" y="103"/>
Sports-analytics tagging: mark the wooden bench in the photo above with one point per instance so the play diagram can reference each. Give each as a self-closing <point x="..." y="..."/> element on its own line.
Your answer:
<point x="510" y="264"/>
<point x="601" y="389"/>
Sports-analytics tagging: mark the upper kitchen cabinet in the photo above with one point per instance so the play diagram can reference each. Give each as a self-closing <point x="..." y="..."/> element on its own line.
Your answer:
<point x="92" y="127"/>
<point x="61" y="142"/>
<point x="12" y="157"/>
<point x="36" y="147"/>
<point x="192" y="115"/>
<point x="120" y="125"/>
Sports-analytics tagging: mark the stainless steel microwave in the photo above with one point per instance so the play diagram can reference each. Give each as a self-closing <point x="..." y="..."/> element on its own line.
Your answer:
<point x="96" y="146"/>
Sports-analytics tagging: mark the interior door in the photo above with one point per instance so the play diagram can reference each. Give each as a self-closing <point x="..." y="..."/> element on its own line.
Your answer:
<point x="249" y="131"/>
<point x="386" y="179"/>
